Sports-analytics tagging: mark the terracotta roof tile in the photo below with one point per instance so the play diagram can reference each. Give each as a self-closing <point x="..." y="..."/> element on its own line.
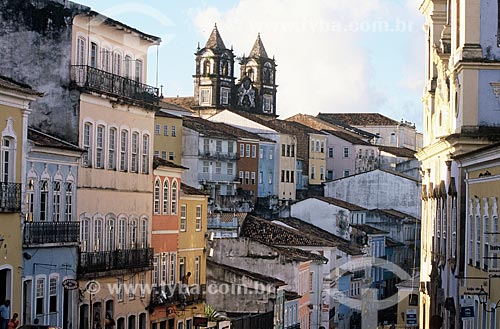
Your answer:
<point x="187" y="189"/>
<point x="206" y="128"/>
<point x="347" y="137"/>
<point x="359" y="119"/>
<point x="258" y="50"/>
<point x="215" y="40"/>
<point x="185" y="102"/>
<point x="157" y="161"/>
<point x="340" y="203"/>
<point x="45" y="140"/>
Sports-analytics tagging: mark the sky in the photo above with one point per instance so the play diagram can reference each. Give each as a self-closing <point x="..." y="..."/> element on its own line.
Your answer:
<point x="332" y="55"/>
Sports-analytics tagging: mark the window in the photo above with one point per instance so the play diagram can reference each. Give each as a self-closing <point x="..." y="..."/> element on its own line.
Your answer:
<point x="317" y="146"/>
<point x="205" y="166"/>
<point x="247" y="148"/>
<point x="413" y="300"/>
<point x="260" y="177"/>
<point x="287" y="176"/>
<point x="230" y="168"/>
<point x="313" y="172"/>
<point x="128" y="61"/>
<point x="145" y="154"/>
<point x="56" y="201"/>
<point x="330" y="152"/>
<point x="218" y="146"/>
<point x="322" y="150"/>
<point x="80" y="51"/>
<point x="205" y="97"/>
<point x="393" y="138"/>
<point x="247" y="177"/>
<point x="171" y="156"/>
<point x="206" y="146"/>
<point x="142" y="284"/>
<point x="164" y="155"/>
<point x="154" y="278"/>
<point x="292" y="176"/>
<point x="122" y="233"/>
<point x="173" y="131"/>
<point x="283" y="150"/>
<point x="68" y="212"/>
<point x="172" y="268"/>
<point x="312" y="145"/>
<point x="138" y="70"/>
<point x="164" y="269"/>
<point x="99" y="154"/>
<point x="346" y="152"/>
<point x="229" y="190"/>
<point x="120" y="289"/>
<point x="322" y="173"/>
<point x="93" y="54"/>
<point x="198" y="218"/>
<point x="183" y="217"/>
<point x="87" y="145"/>
<point x="157" y="197"/>
<point x="85" y="234"/>
<point x="218" y="167"/>
<point x="268" y="103"/>
<point x="261" y="153"/>
<point x="98" y="235"/>
<point x="135" y="150"/>
<point x="254" y="151"/>
<point x="8" y="159"/>
<point x="197" y="270"/>
<point x="110" y="234"/>
<point x="271" y="154"/>
<point x="282" y="176"/>
<point x="40" y="296"/>
<point x="165" y="130"/>
<point x="133" y="234"/>
<point x="253" y="177"/>
<point x="346" y="173"/>
<point x="288" y="150"/>
<point x="242" y="150"/>
<point x="157" y="129"/>
<point x="44" y="200"/>
<point x="224" y="96"/>
<point x="131" y="287"/>
<point x="117" y="63"/>
<point x="156" y="154"/>
<point x="30" y="195"/>
<point x="105" y="59"/>
<point x="174" y="198"/>
<point x="206" y="67"/>
<point x="270" y="177"/>
<point x="292" y="154"/>
<point x="230" y="148"/>
<point x="241" y="177"/>
<point x="112" y="149"/>
<point x="53" y="294"/>
<point x="144" y="233"/>
<point x="124" y="150"/>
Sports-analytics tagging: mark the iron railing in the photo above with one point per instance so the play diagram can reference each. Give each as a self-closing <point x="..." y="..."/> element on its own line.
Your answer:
<point x="115" y="85"/>
<point x="218" y="155"/>
<point x="10" y="197"/>
<point x="51" y="232"/>
<point x="105" y="261"/>
<point x="177" y="294"/>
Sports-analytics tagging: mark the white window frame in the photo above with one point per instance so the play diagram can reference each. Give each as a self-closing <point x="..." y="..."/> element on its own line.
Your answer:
<point x="124" y="142"/>
<point x="205" y="96"/>
<point x="198" y="217"/>
<point x="183" y="221"/>
<point x="156" y="197"/>
<point x="145" y="154"/>
<point x="166" y="196"/>
<point x="112" y="148"/>
<point x="134" y="160"/>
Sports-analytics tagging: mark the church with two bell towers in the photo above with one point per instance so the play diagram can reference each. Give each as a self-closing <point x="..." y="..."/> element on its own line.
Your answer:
<point x="216" y="87"/>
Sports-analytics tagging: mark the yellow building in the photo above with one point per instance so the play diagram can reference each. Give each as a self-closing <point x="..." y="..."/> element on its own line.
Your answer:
<point x="15" y="99"/>
<point x="114" y="202"/>
<point x="407" y="313"/>
<point x="460" y="115"/>
<point x="191" y="253"/>
<point x="317" y="158"/>
<point x="480" y="294"/>
<point x="168" y="135"/>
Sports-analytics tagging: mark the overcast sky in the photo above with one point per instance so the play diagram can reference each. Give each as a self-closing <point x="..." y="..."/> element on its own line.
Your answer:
<point x="332" y="55"/>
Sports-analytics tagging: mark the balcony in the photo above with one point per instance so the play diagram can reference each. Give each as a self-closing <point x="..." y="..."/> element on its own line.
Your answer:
<point x="215" y="177"/>
<point x="10" y="197"/>
<point x="217" y="156"/>
<point x="100" y="81"/>
<point x="176" y="295"/>
<point x="36" y="233"/>
<point x="103" y="263"/>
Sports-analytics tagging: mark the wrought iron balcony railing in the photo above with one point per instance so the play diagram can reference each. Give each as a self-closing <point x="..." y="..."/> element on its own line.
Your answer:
<point x="51" y="232"/>
<point x="177" y="294"/>
<point x="93" y="79"/>
<point x="218" y="155"/>
<point x="101" y="262"/>
<point x="10" y="197"/>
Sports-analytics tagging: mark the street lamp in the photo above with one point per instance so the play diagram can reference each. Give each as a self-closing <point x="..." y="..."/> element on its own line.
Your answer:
<point x="483" y="299"/>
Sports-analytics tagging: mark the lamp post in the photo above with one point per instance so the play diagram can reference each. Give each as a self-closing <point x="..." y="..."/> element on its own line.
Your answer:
<point x="483" y="299"/>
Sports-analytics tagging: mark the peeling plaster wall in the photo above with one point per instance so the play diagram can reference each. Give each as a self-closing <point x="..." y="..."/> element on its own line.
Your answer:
<point x="35" y="38"/>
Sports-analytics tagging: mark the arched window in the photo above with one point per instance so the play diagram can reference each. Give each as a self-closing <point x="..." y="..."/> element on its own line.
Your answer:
<point x="112" y="149"/>
<point x="122" y="231"/>
<point x="56" y="201"/>
<point x="157" y="196"/>
<point x="135" y="152"/>
<point x="174" y="198"/>
<point x="166" y="197"/>
<point x="110" y="233"/>
<point x="85" y="234"/>
<point x="30" y="199"/>
<point x="145" y="154"/>
<point x="80" y="51"/>
<point x="117" y="63"/>
<point x="138" y="70"/>
<point x="87" y="143"/>
<point x="224" y="68"/>
<point x="144" y="233"/>
<point x="100" y="142"/>
<point x="44" y="200"/>
<point x="124" y="150"/>
<point x="98" y="234"/>
<point x="250" y="73"/>
<point x="105" y="59"/>
<point x="133" y="234"/>
<point x="8" y="158"/>
<point x="68" y="212"/>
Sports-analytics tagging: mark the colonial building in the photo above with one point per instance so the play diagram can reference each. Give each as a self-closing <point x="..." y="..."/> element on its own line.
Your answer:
<point x="460" y="105"/>
<point x="15" y="100"/>
<point x="51" y="231"/>
<point x="168" y="136"/>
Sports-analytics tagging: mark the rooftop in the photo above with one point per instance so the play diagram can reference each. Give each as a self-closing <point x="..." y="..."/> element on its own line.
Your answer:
<point x="215" y="40"/>
<point x="157" y="162"/>
<point x="395" y="213"/>
<point x="340" y="203"/>
<point x="253" y="275"/>
<point x="359" y="119"/>
<point x="347" y="137"/>
<point x="206" y="128"/>
<point x="184" y="102"/>
<point x="258" y="50"/>
<point x="187" y="189"/>
<point x="45" y="140"/>
<point x="402" y="152"/>
<point x="392" y="172"/>
<point x="11" y="84"/>
<point x="368" y="229"/>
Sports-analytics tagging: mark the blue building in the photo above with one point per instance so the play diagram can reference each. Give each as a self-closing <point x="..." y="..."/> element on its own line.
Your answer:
<point x="291" y="310"/>
<point x="266" y="185"/>
<point x="50" y="232"/>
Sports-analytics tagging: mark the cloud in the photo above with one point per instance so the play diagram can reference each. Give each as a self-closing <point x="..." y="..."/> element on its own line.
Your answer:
<point x="323" y="49"/>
